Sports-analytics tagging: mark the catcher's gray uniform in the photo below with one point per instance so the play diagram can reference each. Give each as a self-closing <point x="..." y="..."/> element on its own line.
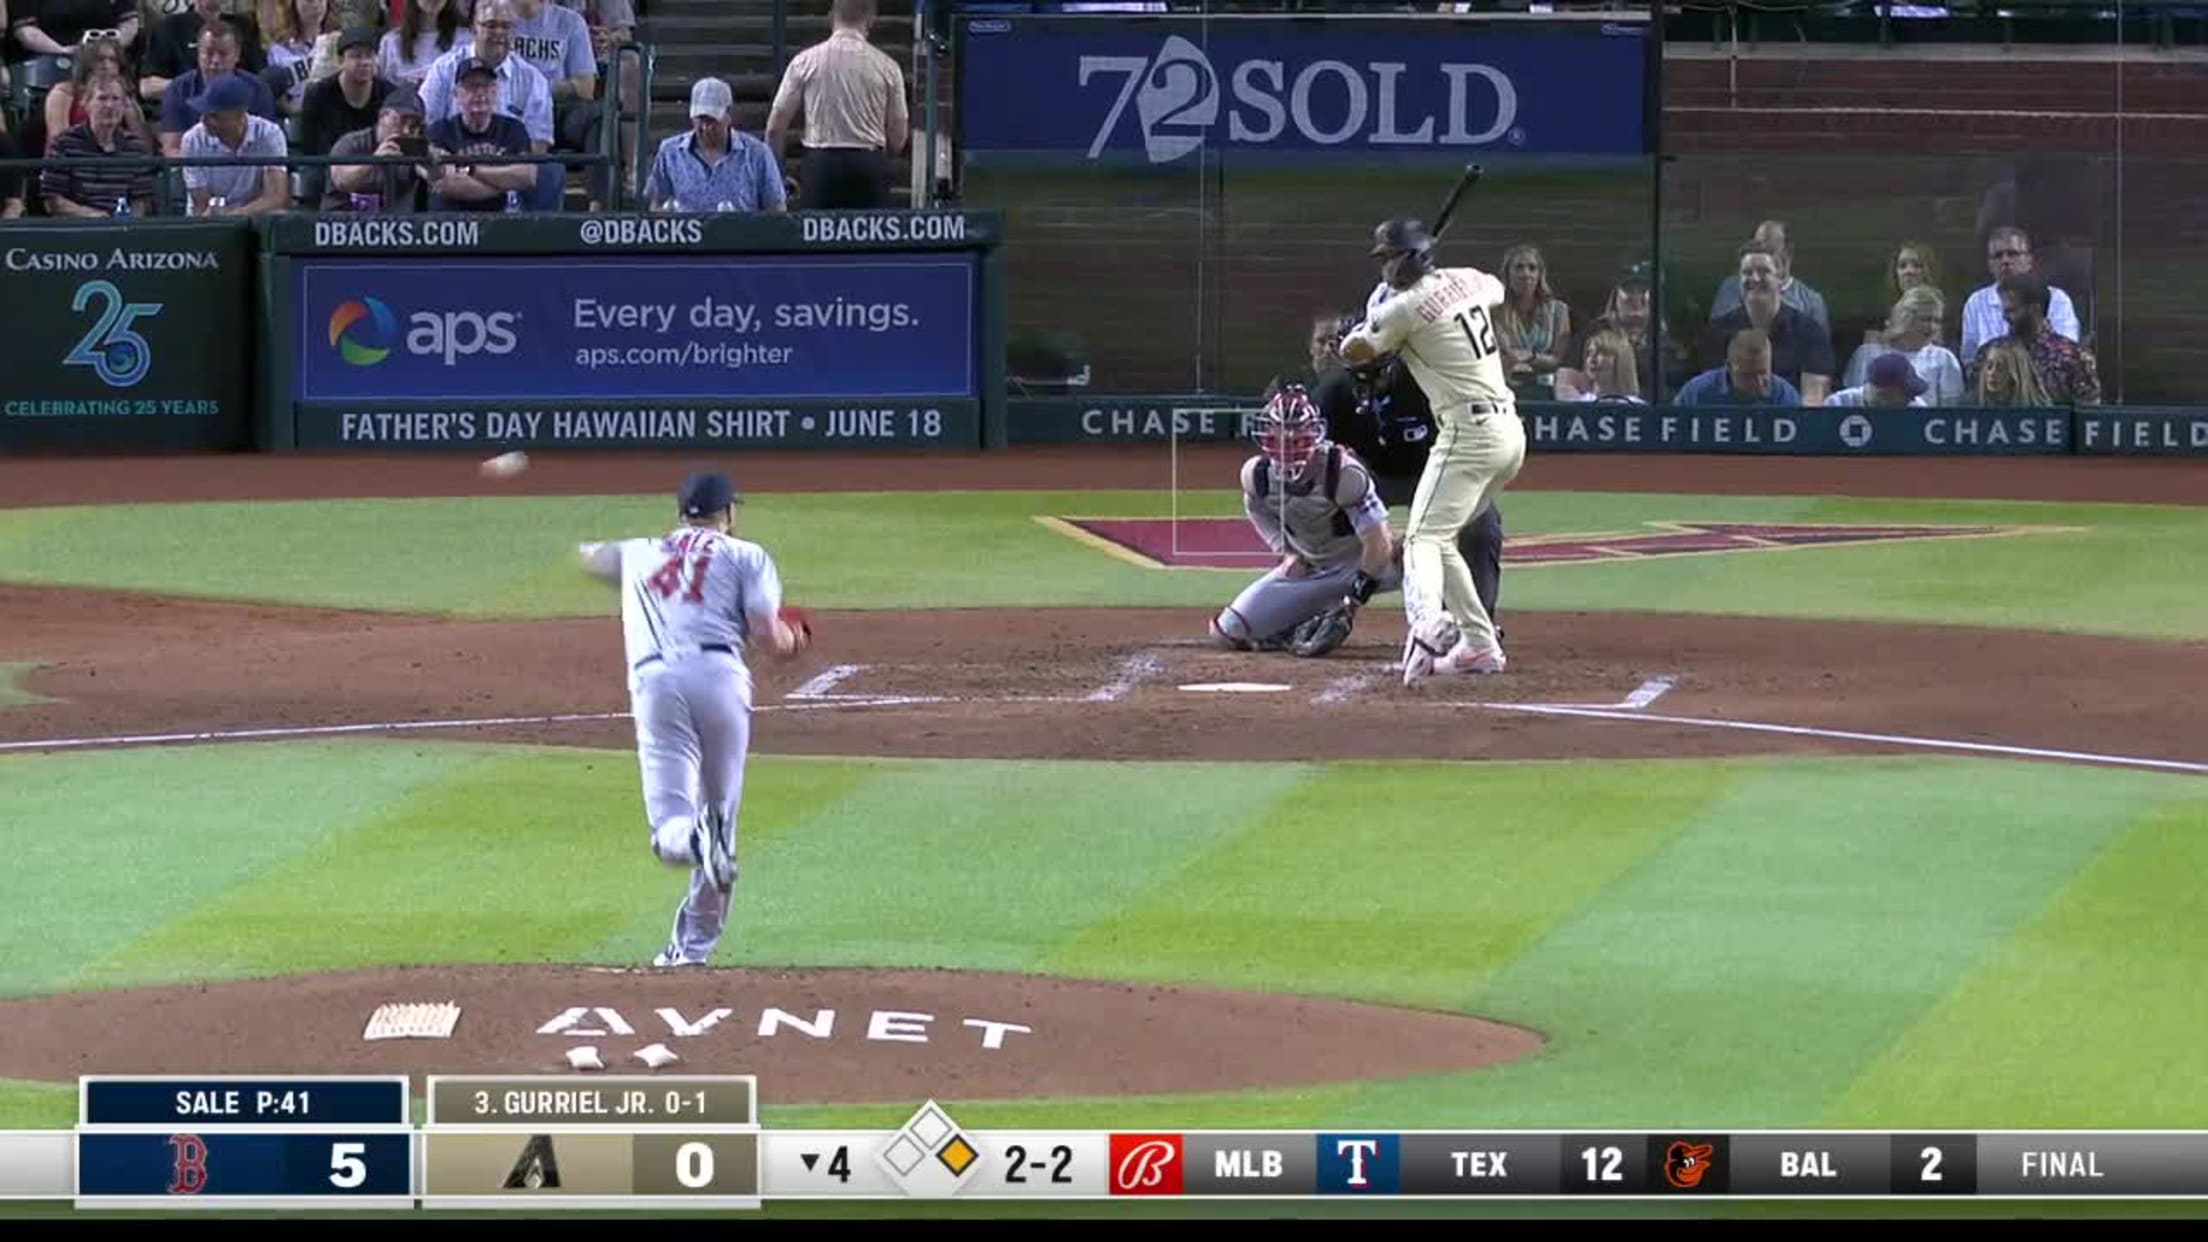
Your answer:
<point x="1318" y="518"/>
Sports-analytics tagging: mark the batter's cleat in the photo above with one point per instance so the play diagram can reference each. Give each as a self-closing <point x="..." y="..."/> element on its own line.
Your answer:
<point x="1427" y="645"/>
<point x="1462" y="659"/>
<point x="719" y="857"/>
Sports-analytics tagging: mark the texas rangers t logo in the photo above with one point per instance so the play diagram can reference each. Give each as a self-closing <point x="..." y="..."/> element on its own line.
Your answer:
<point x="189" y="1176"/>
<point x="1359" y="1164"/>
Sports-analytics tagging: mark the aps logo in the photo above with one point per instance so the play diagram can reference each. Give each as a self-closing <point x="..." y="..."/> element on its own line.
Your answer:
<point x="364" y="331"/>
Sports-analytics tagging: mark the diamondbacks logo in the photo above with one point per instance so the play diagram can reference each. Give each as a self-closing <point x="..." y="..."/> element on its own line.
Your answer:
<point x="537" y="1168"/>
<point x="362" y="331"/>
<point x="1146" y="1164"/>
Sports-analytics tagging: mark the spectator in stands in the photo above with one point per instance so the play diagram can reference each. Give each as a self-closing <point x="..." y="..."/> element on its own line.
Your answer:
<point x="125" y="174"/>
<point x="1771" y="235"/>
<point x="1890" y="383"/>
<point x="612" y="26"/>
<point x="11" y="180"/>
<point x="1533" y="327"/>
<point x="228" y="128"/>
<point x="480" y="129"/>
<point x="2006" y="378"/>
<point x="294" y="30"/>
<point x="2009" y="253"/>
<point x="523" y="93"/>
<point x="1915" y="263"/>
<point x="218" y="58"/>
<point x="1801" y="347"/>
<point x="383" y="189"/>
<point x="556" y="43"/>
<point x="1913" y="329"/>
<point x="173" y="49"/>
<point x="852" y="96"/>
<point x="427" y="30"/>
<point x="68" y="105"/>
<point x="1631" y="311"/>
<point x="715" y="167"/>
<point x="1746" y="378"/>
<point x="1609" y="371"/>
<point x="2066" y="372"/>
<point x="341" y="104"/>
<point x="58" y="28"/>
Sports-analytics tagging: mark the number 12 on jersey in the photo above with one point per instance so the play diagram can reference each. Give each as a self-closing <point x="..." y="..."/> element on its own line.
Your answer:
<point x="1478" y="330"/>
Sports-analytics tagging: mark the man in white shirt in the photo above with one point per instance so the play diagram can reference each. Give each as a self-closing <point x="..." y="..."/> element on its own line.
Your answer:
<point x="2009" y="253"/>
<point x="226" y="130"/>
<point x="523" y="92"/>
<point x="1891" y="383"/>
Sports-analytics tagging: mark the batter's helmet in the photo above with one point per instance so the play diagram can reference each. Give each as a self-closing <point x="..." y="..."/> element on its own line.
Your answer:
<point x="1408" y="248"/>
<point x="1290" y="431"/>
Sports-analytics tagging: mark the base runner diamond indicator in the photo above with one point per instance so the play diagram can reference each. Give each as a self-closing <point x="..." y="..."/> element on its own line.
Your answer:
<point x="929" y="1157"/>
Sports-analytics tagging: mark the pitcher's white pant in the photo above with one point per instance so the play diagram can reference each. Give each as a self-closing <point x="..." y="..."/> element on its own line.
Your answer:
<point x="693" y="731"/>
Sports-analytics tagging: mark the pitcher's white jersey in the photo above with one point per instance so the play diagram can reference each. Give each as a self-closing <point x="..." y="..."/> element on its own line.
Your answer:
<point x="692" y="589"/>
<point x="1443" y="328"/>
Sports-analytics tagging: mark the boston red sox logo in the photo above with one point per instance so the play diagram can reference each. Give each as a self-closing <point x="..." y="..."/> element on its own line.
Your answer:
<point x="189" y="1176"/>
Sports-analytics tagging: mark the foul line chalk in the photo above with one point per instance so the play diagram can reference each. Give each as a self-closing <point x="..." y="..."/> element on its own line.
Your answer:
<point x="1133" y="671"/>
<point x="825" y="681"/>
<point x="1846" y="735"/>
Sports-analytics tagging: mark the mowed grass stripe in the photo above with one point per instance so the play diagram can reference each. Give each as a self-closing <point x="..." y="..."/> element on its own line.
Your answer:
<point x="107" y="849"/>
<point x="2091" y="1017"/>
<point x="521" y="856"/>
<point x="985" y="865"/>
<point x="1747" y="972"/>
<point x="1410" y="883"/>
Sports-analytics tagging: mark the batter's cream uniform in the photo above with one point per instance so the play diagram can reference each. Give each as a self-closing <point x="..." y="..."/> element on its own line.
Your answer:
<point x="1442" y="328"/>
<point x="689" y="603"/>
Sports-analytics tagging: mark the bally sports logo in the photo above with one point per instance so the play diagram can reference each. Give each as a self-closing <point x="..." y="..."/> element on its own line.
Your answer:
<point x="1147" y="1164"/>
<point x="364" y="332"/>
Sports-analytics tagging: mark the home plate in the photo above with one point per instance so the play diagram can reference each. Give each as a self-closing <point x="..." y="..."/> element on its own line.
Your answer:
<point x="1236" y="687"/>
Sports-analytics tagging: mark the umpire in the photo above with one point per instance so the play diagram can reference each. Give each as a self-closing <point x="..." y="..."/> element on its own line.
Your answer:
<point x="1381" y="414"/>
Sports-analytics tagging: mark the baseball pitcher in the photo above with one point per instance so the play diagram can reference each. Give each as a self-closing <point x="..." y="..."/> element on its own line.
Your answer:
<point x="1438" y="321"/>
<point x="692" y="604"/>
<point x="1315" y="505"/>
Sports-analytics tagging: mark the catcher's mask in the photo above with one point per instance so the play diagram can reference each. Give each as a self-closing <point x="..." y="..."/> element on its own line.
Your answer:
<point x="1405" y="250"/>
<point x="1290" y="432"/>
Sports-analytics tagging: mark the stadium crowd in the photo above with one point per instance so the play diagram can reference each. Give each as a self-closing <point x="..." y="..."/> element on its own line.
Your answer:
<point x="1769" y="338"/>
<point x="455" y="83"/>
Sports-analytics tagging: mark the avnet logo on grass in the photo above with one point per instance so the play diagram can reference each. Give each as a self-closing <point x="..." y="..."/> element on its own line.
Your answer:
<point x="364" y="331"/>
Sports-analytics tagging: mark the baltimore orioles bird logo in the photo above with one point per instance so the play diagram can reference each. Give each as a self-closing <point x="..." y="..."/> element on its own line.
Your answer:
<point x="1685" y="1163"/>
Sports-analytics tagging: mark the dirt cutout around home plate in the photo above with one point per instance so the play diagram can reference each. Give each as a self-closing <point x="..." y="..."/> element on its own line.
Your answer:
<point x="811" y="1036"/>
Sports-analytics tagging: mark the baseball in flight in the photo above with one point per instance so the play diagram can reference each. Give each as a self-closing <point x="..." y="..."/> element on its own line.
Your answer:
<point x="505" y="465"/>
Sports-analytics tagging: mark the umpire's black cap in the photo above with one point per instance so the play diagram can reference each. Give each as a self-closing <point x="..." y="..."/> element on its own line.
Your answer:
<point x="1400" y="236"/>
<point x="706" y="493"/>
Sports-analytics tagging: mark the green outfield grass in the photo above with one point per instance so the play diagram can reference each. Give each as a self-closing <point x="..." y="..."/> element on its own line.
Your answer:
<point x="1745" y="943"/>
<point x="2121" y="569"/>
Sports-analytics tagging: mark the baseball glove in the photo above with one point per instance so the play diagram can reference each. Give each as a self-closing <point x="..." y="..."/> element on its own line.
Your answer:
<point x="1325" y="632"/>
<point x="797" y="619"/>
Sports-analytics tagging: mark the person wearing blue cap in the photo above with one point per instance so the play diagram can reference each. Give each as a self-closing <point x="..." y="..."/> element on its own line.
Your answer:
<point x="694" y="603"/>
<point x="228" y="130"/>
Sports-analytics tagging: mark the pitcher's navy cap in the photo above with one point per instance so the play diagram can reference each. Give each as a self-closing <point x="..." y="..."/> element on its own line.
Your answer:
<point x="706" y="493"/>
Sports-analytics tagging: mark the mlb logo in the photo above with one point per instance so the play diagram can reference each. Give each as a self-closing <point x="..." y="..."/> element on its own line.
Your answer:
<point x="1147" y="1164"/>
<point x="1359" y="1164"/>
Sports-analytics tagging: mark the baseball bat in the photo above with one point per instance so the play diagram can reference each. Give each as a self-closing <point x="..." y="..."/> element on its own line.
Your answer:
<point x="1456" y="194"/>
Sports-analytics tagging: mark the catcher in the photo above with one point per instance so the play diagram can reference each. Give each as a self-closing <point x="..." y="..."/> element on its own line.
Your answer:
<point x="1315" y="504"/>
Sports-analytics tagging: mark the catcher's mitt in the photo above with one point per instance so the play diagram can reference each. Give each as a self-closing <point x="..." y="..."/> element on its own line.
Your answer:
<point x="1325" y="632"/>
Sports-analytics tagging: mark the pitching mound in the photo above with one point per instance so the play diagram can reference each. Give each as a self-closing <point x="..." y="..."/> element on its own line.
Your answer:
<point x="811" y="1036"/>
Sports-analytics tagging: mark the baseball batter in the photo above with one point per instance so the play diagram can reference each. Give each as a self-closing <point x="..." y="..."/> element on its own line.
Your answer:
<point x="1438" y="321"/>
<point x="1315" y="505"/>
<point x="692" y="604"/>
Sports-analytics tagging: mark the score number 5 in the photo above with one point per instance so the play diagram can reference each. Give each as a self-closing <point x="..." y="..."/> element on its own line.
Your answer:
<point x="347" y="1170"/>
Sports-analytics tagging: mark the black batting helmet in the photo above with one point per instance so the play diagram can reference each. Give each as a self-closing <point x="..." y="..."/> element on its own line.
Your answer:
<point x="1407" y="247"/>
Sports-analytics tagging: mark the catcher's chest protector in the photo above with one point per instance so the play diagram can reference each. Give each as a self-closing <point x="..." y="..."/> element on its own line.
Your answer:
<point x="1312" y="519"/>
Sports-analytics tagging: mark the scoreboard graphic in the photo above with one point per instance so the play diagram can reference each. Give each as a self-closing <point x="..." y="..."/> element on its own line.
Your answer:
<point x="669" y="1141"/>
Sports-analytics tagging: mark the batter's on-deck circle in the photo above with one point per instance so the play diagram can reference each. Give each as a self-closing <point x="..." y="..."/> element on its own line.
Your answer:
<point x="694" y="603"/>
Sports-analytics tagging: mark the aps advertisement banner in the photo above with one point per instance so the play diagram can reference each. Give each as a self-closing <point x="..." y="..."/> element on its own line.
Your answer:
<point x="712" y="328"/>
<point x="1160" y="90"/>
